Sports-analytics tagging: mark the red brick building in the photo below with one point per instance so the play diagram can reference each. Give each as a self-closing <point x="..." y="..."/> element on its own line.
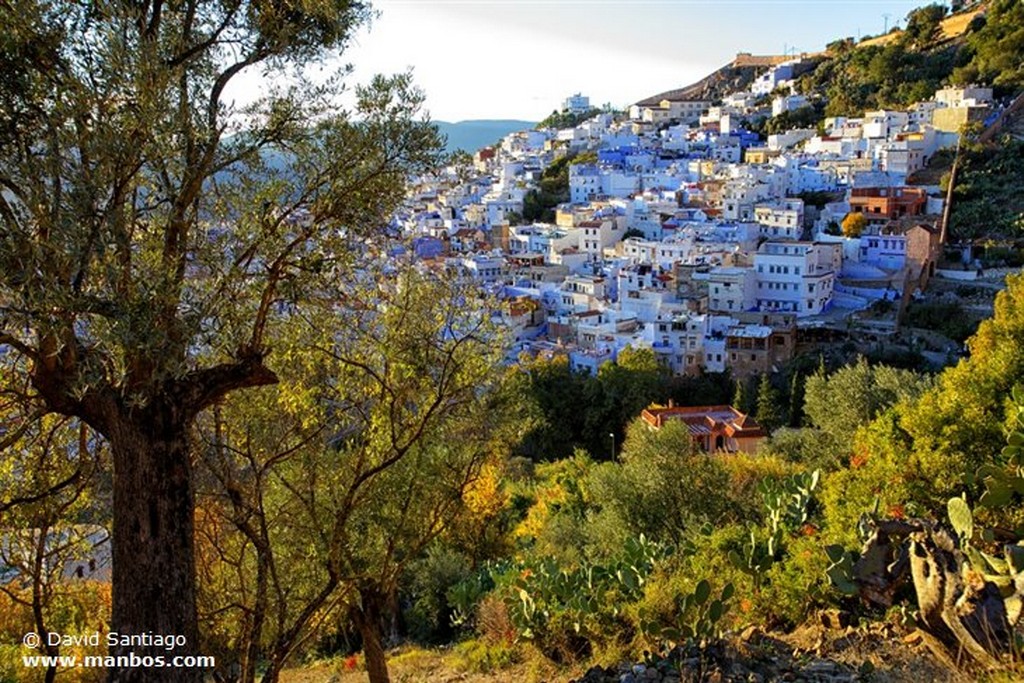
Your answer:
<point x="880" y="204"/>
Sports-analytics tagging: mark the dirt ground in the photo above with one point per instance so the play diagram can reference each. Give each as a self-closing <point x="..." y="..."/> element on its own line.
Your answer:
<point x="879" y="653"/>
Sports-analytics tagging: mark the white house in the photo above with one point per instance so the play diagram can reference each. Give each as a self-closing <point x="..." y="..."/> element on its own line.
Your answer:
<point x="731" y="289"/>
<point x="790" y="138"/>
<point x="785" y="103"/>
<point x="597" y="234"/>
<point x="485" y="267"/>
<point x="576" y="104"/>
<point x="884" y="123"/>
<point x="798" y="277"/>
<point x="781" y="219"/>
<point x="884" y="251"/>
<point x="968" y="96"/>
<point x="582" y="293"/>
<point x="584" y="182"/>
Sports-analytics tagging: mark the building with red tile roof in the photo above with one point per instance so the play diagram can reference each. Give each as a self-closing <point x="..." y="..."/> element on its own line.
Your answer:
<point x="714" y="428"/>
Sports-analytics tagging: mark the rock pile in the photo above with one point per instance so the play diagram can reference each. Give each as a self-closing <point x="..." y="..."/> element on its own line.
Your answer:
<point x="752" y="658"/>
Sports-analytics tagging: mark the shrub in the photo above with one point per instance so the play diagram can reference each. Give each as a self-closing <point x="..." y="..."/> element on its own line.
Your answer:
<point x="484" y="656"/>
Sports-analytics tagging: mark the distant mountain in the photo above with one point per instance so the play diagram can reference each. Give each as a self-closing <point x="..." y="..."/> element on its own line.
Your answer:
<point x="472" y="135"/>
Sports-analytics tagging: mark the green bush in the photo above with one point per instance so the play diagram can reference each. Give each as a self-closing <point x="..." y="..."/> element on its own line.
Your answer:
<point x="949" y="319"/>
<point x="487" y="657"/>
<point x="428" y="581"/>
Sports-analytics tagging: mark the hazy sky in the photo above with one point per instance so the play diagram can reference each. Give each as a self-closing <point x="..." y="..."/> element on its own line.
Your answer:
<point x="518" y="59"/>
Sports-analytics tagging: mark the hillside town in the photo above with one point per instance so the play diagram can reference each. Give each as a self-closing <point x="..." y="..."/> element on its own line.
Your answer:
<point x="687" y="233"/>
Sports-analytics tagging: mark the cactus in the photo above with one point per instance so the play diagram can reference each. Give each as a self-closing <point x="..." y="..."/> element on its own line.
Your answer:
<point x="540" y="593"/>
<point x="841" y="569"/>
<point x="961" y="518"/>
<point x="788" y="502"/>
<point x="697" y="616"/>
<point x="1004" y="481"/>
<point x="756" y="557"/>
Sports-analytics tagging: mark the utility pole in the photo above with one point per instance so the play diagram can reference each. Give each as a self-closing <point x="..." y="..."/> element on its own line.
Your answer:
<point x="948" y="208"/>
<point x="886" y="17"/>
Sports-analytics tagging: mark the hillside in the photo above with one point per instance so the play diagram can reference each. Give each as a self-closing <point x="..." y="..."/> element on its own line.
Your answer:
<point x="474" y="134"/>
<point x="735" y="76"/>
<point x="951" y="27"/>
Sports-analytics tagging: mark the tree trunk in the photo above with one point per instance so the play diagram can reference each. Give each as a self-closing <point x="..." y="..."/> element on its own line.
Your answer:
<point x="39" y="582"/>
<point x="153" y="545"/>
<point x="368" y="620"/>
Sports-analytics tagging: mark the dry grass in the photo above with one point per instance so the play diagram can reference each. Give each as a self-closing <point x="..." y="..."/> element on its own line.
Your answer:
<point x="417" y="665"/>
<point x="951" y="28"/>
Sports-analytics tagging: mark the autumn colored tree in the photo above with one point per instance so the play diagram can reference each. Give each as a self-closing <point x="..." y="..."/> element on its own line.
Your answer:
<point x="147" y="245"/>
<point x="48" y="508"/>
<point x="854" y="224"/>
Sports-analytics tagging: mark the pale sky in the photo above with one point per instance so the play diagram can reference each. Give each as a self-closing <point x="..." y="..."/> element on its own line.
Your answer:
<point x="519" y="59"/>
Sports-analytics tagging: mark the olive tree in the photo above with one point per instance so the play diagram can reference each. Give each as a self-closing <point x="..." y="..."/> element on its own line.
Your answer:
<point x="322" y="489"/>
<point x="152" y="233"/>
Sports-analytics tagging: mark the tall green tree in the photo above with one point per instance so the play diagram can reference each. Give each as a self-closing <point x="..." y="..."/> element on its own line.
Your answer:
<point x="853" y="396"/>
<point x="769" y="413"/>
<point x="147" y="246"/>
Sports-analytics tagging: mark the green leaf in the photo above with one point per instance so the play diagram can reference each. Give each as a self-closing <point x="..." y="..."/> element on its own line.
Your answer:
<point x="996" y="496"/>
<point x="702" y="592"/>
<point x="715" y="610"/>
<point x="961" y="518"/>
<point x="996" y="564"/>
<point x="836" y="553"/>
<point x="673" y="634"/>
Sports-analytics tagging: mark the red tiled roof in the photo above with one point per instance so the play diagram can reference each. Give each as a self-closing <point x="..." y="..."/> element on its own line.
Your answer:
<point x="705" y="420"/>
